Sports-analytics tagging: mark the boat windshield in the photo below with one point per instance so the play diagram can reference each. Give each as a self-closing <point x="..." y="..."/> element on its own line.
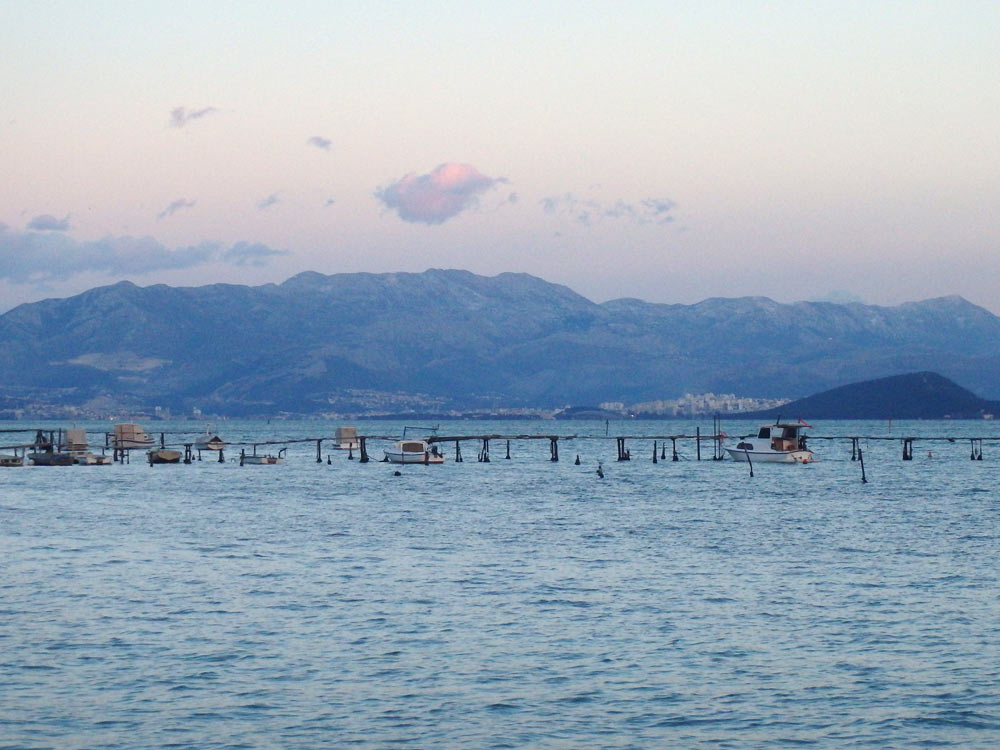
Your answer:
<point x="765" y="432"/>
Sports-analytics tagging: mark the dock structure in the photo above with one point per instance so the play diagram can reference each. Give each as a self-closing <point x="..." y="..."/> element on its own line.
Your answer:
<point x="58" y="440"/>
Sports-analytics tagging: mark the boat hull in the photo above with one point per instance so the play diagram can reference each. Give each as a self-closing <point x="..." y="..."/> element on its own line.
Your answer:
<point x="91" y="459"/>
<point x="51" y="459"/>
<point x="164" y="456"/>
<point x="772" y="457"/>
<point x="397" y="457"/>
<point x="260" y="460"/>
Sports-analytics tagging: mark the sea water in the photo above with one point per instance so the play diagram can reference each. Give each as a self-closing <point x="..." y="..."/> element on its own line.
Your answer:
<point x="509" y="604"/>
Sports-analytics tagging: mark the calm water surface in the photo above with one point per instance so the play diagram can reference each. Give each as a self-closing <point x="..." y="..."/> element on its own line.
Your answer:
<point x="516" y="603"/>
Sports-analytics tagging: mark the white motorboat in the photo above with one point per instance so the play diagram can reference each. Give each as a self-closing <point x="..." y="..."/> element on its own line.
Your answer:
<point x="781" y="443"/>
<point x="260" y="460"/>
<point x="414" y="452"/>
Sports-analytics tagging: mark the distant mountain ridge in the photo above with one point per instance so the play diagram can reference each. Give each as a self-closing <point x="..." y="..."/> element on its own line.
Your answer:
<point x="452" y="339"/>
<point x="918" y="395"/>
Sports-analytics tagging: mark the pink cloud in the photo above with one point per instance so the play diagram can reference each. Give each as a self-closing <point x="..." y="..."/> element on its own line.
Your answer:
<point x="438" y="196"/>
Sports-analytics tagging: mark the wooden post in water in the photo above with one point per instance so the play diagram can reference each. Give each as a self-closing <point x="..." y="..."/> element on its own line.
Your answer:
<point x="654" y="451"/>
<point x="907" y="449"/>
<point x="697" y="440"/>
<point x="187" y="453"/>
<point x="363" y="449"/>
<point x="508" y="450"/>
<point x="861" y="458"/>
<point x="553" y="449"/>
<point x="319" y="451"/>
<point x="484" y="454"/>
<point x="673" y="449"/>
<point x="458" y="452"/>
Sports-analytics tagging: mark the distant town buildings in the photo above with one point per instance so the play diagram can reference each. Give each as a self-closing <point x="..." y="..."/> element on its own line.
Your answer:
<point x="706" y="403"/>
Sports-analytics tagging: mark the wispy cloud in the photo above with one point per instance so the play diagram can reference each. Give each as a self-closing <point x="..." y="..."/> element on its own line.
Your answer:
<point x="268" y="202"/>
<point x="320" y="142"/>
<point x="33" y="258"/>
<point x="49" y="223"/>
<point x="181" y="116"/>
<point x="435" y="197"/>
<point x="175" y="206"/>
<point x="251" y="254"/>
<point x="588" y="211"/>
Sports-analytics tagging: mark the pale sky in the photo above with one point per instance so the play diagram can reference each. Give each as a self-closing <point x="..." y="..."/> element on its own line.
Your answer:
<point x="670" y="151"/>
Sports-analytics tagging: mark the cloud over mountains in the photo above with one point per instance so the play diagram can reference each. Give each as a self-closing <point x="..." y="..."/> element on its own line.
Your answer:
<point x="433" y="198"/>
<point x="49" y="223"/>
<point x="37" y="257"/>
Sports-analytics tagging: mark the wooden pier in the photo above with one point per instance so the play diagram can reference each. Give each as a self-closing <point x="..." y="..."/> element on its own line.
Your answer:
<point x="56" y="440"/>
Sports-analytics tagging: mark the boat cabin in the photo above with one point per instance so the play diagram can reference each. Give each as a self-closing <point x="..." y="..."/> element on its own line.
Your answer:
<point x="346" y="438"/>
<point x="783" y="437"/>
<point x="413" y="446"/>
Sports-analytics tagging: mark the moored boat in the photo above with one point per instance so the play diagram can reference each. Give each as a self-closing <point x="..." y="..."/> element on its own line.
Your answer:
<point x="128" y="435"/>
<point x="86" y="458"/>
<point x="6" y="459"/>
<point x="414" y="452"/>
<point x="782" y="443"/>
<point x="256" y="460"/>
<point x="346" y="438"/>
<point x="51" y="458"/>
<point x="209" y="441"/>
<point x="163" y="456"/>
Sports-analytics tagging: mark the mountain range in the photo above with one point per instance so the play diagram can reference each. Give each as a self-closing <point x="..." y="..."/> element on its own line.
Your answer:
<point x="451" y="339"/>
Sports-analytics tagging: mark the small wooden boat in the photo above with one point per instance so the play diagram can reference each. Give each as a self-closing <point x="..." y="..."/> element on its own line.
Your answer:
<point x="7" y="459"/>
<point x="51" y="458"/>
<point x="163" y="456"/>
<point x="209" y="441"/>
